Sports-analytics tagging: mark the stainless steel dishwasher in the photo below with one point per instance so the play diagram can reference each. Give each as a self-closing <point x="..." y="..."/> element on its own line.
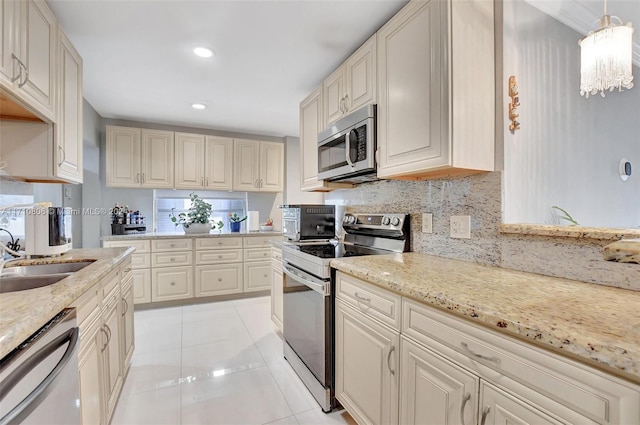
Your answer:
<point x="39" y="379"/>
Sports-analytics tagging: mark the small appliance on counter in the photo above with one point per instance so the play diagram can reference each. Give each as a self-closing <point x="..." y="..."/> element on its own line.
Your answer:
<point x="47" y="231"/>
<point x="126" y="222"/>
<point x="308" y="222"/>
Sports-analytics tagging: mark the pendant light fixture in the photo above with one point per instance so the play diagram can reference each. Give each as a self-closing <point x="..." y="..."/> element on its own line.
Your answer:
<point x="606" y="57"/>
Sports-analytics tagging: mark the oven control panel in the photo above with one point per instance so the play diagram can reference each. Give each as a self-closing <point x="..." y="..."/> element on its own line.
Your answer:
<point x="375" y="221"/>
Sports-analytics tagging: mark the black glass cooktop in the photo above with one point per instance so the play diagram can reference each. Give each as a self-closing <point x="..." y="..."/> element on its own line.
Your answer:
<point x="330" y="251"/>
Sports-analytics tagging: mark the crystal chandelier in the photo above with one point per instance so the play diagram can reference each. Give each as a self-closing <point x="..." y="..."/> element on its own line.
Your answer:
<point x="606" y="57"/>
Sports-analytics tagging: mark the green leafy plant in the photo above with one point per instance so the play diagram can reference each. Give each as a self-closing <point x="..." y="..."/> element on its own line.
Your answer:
<point x="235" y="218"/>
<point x="198" y="212"/>
<point x="566" y="216"/>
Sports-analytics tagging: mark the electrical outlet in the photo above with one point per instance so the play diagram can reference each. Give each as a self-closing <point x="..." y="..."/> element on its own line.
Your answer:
<point x="460" y="226"/>
<point x="427" y="223"/>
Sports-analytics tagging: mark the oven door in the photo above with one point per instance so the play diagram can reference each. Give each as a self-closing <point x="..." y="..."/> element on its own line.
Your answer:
<point x="307" y="321"/>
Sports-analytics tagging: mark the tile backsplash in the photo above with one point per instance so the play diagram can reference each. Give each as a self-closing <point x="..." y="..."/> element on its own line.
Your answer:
<point x="480" y="196"/>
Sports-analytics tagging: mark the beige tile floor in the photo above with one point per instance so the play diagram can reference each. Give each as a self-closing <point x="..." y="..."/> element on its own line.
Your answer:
<point x="215" y="363"/>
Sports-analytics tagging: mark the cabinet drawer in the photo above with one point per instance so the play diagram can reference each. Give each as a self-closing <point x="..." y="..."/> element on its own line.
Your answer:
<point x="172" y="283"/>
<point x="585" y="390"/>
<point x="219" y="256"/>
<point x="88" y="306"/>
<point x="178" y="258"/>
<point x="258" y="242"/>
<point x="141" y="246"/>
<point x="218" y="279"/>
<point x="140" y="261"/>
<point x="170" y="245"/>
<point x="109" y="283"/>
<point x="276" y="253"/>
<point x="383" y="305"/>
<point x="218" y="243"/>
<point x="257" y="276"/>
<point x="125" y="270"/>
<point x="257" y="254"/>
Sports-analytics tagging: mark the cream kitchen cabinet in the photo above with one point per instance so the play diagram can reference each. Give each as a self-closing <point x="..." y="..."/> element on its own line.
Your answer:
<point x="140" y="267"/>
<point x="29" y="40"/>
<point x="126" y="326"/>
<point x="203" y="162"/>
<point x="352" y="85"/>
<point x="172" y="269"/>
<point x="436" y="90"/>
<point x="112" y="358"/>
<point x="219" y="268"/>
<point x="258" y="166"/>
<point x="277" y="287"/>
<point x="139" y="158"/>
<point x="68" y="152"/>
<point x="257" y="263"/>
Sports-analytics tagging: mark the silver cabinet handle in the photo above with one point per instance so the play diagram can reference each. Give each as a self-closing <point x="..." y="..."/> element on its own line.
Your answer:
<point x="206" y="180"/>
<point x="142" y="177"/>
<point x="485" y="412"/>
<point x="64" y="155"/>
<point x="138" y="178"/>
<point x="21" y="66"/>
<point x="26" y="76"/>
<point x="393" y="372"/>
<point x="126" y="307"/>
<point x="466" y="348"/>
<point x="108" y="330"/>
<point x="201" y="181"/>
<point x="17" y="77"/>
<point x="127" y="270"/>
<point x="361" y="298"/>
<point x="346" y="104"/>
<point x="106" y="336"/>
<point x="467" y="397"/>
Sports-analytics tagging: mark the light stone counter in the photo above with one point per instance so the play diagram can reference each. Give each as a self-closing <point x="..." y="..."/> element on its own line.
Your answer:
<point x="593" y="323"/>
<point x="171" y="235"/>
<point x="24" y="312"/>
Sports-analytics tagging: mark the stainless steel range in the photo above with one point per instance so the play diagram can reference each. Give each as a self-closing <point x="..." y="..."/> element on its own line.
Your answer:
<point x="309" y="300"/>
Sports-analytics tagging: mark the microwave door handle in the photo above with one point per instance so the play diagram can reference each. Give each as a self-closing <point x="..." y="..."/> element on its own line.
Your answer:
<point x="347" y="151"/>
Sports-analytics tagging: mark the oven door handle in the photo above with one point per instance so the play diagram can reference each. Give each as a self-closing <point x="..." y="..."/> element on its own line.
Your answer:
<point x="323" y="288"/>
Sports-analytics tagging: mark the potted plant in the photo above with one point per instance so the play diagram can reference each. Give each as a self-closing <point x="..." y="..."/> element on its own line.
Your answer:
<point x="197" y="219"/>
<point x="234" y="221"/>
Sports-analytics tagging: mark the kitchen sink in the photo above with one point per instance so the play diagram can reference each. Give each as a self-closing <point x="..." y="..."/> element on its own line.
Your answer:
<point x="44" y="269"/>
<point x="32" y="276"/>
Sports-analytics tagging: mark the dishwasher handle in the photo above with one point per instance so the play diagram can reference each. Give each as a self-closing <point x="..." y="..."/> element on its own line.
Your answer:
<point x="72" y="337"/>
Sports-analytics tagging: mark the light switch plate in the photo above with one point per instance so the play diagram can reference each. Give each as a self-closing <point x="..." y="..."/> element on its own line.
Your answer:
<point x="427" y="223"/>
<point x="460" y="226"/>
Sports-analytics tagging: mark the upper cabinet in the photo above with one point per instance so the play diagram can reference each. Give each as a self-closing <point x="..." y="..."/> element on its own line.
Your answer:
<point x="28" y="57"/>
<point x="68" y="152"/>
<point x="436" y="90"/>
<point x="139" y="158"/>
<point x="258" y="166"/>
<point x="352" y="85"/>
<point x="203" y="162"/>
<point x="311" y="123"/>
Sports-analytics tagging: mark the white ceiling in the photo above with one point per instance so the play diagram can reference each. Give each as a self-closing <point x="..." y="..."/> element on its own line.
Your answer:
<point x="139" y="65"/>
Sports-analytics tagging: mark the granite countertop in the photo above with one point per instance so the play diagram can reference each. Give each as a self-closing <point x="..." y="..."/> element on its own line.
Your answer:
<point x="171" y="235"/>
<point x="593" y="323"/>
<point x="24" y="312"/>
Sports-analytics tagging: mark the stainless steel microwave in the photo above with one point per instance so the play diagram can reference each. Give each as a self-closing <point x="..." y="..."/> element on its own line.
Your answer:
<point x="347" y="148"/>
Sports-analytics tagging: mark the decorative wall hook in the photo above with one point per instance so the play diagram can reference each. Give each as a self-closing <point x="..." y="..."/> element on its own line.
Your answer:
<point x="513" y="105"/>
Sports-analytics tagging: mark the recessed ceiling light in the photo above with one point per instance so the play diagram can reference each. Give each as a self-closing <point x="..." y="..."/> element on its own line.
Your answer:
<point x="198" y="106"/>
<point x="203" y="52"/>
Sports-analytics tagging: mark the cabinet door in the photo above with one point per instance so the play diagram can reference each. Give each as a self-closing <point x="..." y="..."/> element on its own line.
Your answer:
<point x="360" y="71"/>
<point x="127" y="325"/>
<point x="217" y="165"/>
<point x="434" y="390"/>
<point x="172" y="283"/>
<point x="311" y="123"/>
<point x="271" y="167"/>
<point x="68" y="154"/>
<point x="38" y="38"/>
<point x="141" y="286"/>
<point x="157" y="159"/>
<point x="218" y="279"/>
<point x="333" y="92"/>
<point x="366" y="367"/>
<point x="246" y="163"/>
<point x="9" y="18"/>
<point x="111" y="356"/>
<point x="276" y="293"/>
<point x="257" y="276"/>
<point x="90" y="378"/>
<point x="499" y="408"/>
<point x="189" y="161"/>
<point x="123" y="156"/>
<point x="413" y="90"/>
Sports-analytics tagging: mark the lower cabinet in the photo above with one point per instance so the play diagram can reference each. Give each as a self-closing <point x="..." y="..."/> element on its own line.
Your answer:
<point x="106" y="343"/>
<point x="218" y="279"/>
<point x="276" y="287"/>
<point x="257" y="276"/>
<point x="171" y="283"/>
<point x="367" y="375"/>
<point x="141" y="286"/>
<point x="499" y="407"/>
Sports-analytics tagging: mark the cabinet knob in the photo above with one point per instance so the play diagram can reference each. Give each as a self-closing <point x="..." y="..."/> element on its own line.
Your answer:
<point x="265" y="275"/>
<point x="220" y="256"/>
<point x="173" y="284"/>
<point x="172" y="245"/>
<point x="219" y="279"/>
<point x="219" y="242"/>
<point x="172" y="259"/>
